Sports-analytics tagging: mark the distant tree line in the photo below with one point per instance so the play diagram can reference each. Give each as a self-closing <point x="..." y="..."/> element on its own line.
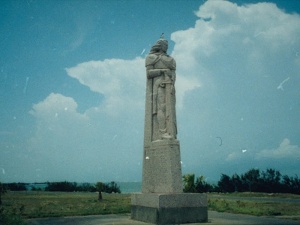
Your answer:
<point x="66" y="186"/>
<point x="14" y="186"/>
<point x="254" y="180"/>
<point x="2" y="191"/>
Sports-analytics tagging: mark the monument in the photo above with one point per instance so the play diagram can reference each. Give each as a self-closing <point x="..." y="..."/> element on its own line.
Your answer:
<point x="162" y="200"/>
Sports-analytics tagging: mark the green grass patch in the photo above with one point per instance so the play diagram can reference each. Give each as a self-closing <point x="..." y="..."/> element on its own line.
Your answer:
<point x="35" y="204"/>
<point x="257" y="194"/>
<point x="31" y="204"/>
<point x="282" y="209"/>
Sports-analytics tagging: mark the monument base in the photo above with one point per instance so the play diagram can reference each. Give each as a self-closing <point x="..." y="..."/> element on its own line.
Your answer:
<point x="169" y="208"/>
<point x="162" y="167"/>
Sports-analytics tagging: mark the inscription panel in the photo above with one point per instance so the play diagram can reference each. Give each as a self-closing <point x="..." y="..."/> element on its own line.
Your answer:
<point x="162" y="169"/>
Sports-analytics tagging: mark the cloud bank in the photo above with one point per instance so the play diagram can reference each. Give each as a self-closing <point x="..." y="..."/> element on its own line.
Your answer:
<point x="122" y="82"/>
<point x="229" y="67"/>
<point x="284" y="151"/>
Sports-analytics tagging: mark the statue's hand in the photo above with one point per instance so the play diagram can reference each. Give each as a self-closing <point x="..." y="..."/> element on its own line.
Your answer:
<point x="167" y="72"/>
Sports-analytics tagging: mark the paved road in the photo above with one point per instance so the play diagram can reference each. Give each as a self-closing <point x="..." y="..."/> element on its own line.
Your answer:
<point x="214" y="218"/>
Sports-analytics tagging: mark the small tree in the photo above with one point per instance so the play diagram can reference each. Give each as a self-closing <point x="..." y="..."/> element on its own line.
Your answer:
<point x="202" y="186"/>
<point x="271" y="179"/>
<point x="226" y="184"/>
<point x="189" y="183"/>
<point x="100" y="187"/>
<point x="252" y="180"/>
<point x="112" y="187"/>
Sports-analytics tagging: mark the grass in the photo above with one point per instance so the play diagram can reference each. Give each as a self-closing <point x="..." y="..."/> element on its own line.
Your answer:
<point x="31" y="204"/>
<point x="34" y="204"/>
<point x="256" y="208"/>
<point x="258" y="194"/>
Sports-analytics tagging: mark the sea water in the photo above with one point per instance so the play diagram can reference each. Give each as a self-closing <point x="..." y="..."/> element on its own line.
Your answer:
<point x="130" y="187"/>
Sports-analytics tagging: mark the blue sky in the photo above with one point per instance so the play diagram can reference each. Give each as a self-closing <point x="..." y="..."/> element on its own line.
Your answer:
<point x="72" y="86"/>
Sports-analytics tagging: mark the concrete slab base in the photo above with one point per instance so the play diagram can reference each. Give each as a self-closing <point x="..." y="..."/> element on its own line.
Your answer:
<point x="169" y="208"/>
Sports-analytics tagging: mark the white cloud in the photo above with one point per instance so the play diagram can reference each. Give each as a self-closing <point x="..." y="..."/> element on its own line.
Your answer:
<point x="233" y="156"/>
<point x="90" y="143"/>
<point x="184" y="84"/>
<point x="235" y="33"/>
<point x="122" y="82"/>
<point x="238" y="155"/>
<point x="55" y="106"/>
<point x="228" y="68"/>
<point x="58" y="124"/>
<point x="238" y="55"/>
<point x="105" y="76"/>
<point x="284" y="151"/>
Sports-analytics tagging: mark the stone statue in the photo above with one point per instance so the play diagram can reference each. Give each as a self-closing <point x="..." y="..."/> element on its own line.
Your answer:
<point x="162" y="200"/>
<point x="161" y="77"/>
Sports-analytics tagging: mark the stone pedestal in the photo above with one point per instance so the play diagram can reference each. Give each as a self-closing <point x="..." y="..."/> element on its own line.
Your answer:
<point x="169" y="208"/>
<point x="162" y="200"/>
<point x="162" y="167"/>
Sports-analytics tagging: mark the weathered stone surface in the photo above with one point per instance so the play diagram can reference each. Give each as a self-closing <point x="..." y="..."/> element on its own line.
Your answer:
<point x="162" y="200"/>
<point x="169" y="208"/>
<point x="160" y="118"/>
<point x="161" y="163"/>
<point x="169" y="200"/>
<point x="162" y="168"/>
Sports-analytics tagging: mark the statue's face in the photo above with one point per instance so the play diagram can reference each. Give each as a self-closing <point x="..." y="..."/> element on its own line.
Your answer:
<point x="164" y="47"/>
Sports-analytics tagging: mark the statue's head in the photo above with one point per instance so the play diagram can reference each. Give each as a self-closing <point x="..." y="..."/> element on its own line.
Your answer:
<point x="160" y="46"/>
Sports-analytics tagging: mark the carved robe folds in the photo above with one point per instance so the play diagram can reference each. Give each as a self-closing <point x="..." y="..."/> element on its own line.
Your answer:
<point x="161" y="96"/>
